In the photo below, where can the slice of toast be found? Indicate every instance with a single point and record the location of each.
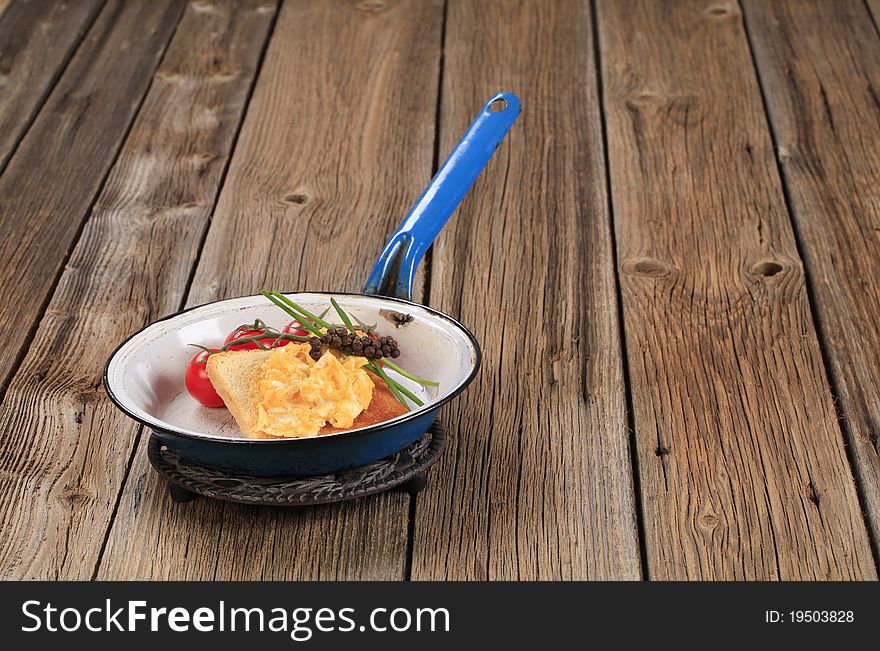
(383, 406)
(234, 375)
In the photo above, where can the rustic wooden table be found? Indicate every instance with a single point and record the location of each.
(680, 237)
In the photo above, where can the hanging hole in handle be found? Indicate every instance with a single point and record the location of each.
(498, 105)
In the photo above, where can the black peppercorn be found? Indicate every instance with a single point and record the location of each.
(386, 349)
(379, 354)
(395, 353)
(336, 341)
(327, 338)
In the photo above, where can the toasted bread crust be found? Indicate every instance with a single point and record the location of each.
(233, 375)
(383, 406)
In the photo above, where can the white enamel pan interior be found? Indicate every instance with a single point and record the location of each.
(145, 376)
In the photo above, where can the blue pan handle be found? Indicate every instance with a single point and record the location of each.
(394, 271)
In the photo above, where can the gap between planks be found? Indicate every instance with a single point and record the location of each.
(428, 267)
(630, 425)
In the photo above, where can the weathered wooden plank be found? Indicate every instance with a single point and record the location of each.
(64, 448)
(743, 470)
(50, 183)
(538, 482)
(337, 142)
(820, 67)
(36, 41)
(874, 6)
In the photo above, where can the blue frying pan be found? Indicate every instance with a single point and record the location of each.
(144, 376)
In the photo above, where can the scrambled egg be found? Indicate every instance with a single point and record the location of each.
(299, 395)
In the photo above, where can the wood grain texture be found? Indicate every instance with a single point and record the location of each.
(36, 41)
(874, 7)
(537, 483)
(337, 143)
(48, 186)
(64, 447)
(820, 67)
(743, 470)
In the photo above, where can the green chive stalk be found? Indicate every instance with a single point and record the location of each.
(311, 317)
(394, 367)
(308, 325)
(342, 315)
(376, 370)
(394, 384)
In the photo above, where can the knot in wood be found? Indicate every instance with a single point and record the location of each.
(721, 11)
(709, 520)
(85, 392)
(650, 267)
(86, 397)
(205, 7)
(645, 98)
(371, 6)
(74, 496)
(768, 268)
(680, 108)
(200, 160)
(295, 198)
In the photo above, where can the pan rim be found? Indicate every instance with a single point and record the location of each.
(160, 426)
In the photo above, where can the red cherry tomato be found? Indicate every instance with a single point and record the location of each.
(197, 382)
(243, 332)
(295, 328)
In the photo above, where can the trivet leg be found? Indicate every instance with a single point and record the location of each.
(416, 485)
(179, 494)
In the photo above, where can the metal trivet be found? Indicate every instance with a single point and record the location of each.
(406, 470)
